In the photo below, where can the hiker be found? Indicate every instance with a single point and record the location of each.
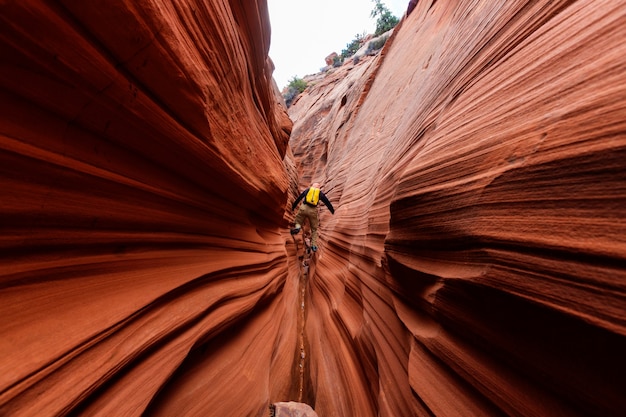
(308, 210)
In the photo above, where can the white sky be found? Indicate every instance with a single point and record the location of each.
(304, 32)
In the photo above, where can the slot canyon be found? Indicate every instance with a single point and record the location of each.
(475, 264)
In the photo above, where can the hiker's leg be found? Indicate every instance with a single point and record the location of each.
(314, 222)
(300, 216)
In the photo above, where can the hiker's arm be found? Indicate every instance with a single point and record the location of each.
(326, 201)
(300, 197)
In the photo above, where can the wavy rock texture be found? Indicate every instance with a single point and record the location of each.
(144, 186)
(476, 262)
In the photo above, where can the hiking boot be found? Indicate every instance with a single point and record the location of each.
(295, 230)
(314, 248)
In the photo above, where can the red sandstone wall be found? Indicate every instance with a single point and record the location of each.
(143, 192)
(476, 263)
(474, 266)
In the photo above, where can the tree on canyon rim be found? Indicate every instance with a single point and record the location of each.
(385, 20)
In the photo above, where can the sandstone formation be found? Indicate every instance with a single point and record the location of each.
(330, 59)
(143, 188)
(476, 262)
(475, 265)
(293, 409)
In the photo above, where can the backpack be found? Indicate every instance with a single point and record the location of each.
(313, 196)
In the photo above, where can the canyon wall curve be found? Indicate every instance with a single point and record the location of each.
(475, 264)
(475, 261)
(144, 178)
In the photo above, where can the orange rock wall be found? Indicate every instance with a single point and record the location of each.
(143, 190)
(476, 262)
(474, 265)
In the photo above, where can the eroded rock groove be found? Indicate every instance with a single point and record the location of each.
(475, 264)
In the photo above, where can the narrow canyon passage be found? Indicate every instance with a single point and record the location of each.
(474, 264)
(467, 270)
(304, 256)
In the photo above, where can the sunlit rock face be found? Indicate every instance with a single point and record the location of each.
(476, 262)
(143, 188)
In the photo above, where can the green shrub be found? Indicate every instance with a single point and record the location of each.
(297, 83)
(384, 19)
(295, 87)
(376, 44)
(352, 47)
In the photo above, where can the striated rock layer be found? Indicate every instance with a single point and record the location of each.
(476, 262)
(142, 169)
